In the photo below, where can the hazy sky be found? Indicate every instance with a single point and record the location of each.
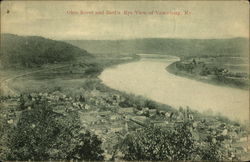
(53, 20)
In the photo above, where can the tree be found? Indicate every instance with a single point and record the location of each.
(88, 148)
(172, 143)
(42, 134)
(154, 143)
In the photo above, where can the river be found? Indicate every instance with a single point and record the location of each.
(149, 78)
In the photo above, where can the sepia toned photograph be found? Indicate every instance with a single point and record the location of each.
(124, 81)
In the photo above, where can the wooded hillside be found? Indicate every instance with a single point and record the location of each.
(34, 51)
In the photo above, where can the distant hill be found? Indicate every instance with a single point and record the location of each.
(33, 51)
(177, 47)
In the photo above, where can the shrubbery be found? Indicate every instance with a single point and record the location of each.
(173, 143)
(93, 70)
(138, 102)
(43, 134)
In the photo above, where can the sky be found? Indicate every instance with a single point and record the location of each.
(63, 19)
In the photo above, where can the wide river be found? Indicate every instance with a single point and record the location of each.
(149, 78)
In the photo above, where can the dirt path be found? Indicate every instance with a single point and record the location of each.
(6, 90)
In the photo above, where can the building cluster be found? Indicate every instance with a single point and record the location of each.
(100, 113)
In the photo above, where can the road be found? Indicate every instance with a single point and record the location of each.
(6, 90)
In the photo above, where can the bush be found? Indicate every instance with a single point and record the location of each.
(172, 143)
(93, 70)
(90, 84)
(88, 148)
(151, 104)
(155, 144)
(42, 134)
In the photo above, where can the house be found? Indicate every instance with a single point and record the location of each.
(129, 110)
(115, 117)
(140, 119)
(104, 113)
(152, 112)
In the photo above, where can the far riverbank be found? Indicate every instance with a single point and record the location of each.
(212, 75)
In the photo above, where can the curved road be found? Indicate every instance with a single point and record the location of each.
(6, 90)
